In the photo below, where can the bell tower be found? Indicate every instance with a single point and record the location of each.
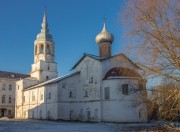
(44, 67)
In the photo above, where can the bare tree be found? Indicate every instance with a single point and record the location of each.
(164, 101)
(155, 27)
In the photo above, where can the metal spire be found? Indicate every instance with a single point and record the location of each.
(104, 27)
(44, 34)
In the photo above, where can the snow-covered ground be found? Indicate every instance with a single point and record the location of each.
(13, 125)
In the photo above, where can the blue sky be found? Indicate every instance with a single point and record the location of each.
(73, 24)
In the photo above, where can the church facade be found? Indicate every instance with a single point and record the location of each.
(101, 88)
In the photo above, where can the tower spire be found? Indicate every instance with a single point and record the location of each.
(104, 27)
(44, 34)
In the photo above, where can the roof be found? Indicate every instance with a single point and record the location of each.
(102, 58)
(53, 80)
(12, 75)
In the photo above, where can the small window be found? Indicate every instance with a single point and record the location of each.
(9, 112)
(48, 68)
(10, 87)
(49, 95)
(18, 87)
(86, 93)
(10, 100)
(48, 50)
(4, 87)
(3, 99)
(107, 93)
(70, 94)
(47, 77)
(125, 89)
(91, 80)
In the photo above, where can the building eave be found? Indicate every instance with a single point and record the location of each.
(54, 80)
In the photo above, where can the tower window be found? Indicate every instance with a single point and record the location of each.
(48, 68)
(125, 89)
(41, 51)
(47, 50)
(47, 77)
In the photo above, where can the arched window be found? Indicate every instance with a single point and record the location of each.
(47, 50)
(41, 51)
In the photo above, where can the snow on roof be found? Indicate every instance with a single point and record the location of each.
(102, 58)
(53, 80)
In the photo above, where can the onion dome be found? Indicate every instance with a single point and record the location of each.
(104, 36)
(44, 35)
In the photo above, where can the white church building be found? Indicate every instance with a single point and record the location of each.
(102, 88)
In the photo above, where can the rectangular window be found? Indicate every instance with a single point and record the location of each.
(70, 94)
(91, 80)
(18, 87)
(4, 87)
(41, 97)
(125, 89)
(10, 100)
(3, 99)
(107, 93)
(10, 87)
(47, 77)
(86, 93)
(9, 112)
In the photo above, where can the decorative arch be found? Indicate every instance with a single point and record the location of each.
(121, 71)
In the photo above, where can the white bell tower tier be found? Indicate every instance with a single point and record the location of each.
(44, 67)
